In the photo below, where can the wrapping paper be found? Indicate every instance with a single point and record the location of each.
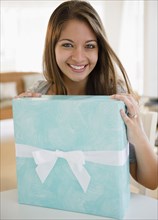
(72, 154)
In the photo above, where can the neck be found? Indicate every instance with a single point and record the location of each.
(75, 88)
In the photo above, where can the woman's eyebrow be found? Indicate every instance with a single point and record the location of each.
(88, 41)
(66, 40)
(91, 41)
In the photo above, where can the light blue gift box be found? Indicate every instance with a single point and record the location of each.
(72, 154)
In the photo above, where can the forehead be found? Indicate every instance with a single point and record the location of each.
(77, 30)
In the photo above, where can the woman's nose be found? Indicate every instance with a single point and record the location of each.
(78, 54)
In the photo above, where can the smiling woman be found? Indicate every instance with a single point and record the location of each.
(78, 60)
(76, 55)
(75, 30)
(125, 21)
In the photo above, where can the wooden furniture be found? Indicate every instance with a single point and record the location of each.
(18, 78)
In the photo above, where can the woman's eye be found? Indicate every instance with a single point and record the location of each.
(67, 45)
(90, 46)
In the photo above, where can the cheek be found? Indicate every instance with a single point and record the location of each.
(61, 56)
(94, 58)
(57, 55)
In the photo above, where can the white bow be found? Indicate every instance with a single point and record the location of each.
(46, 159)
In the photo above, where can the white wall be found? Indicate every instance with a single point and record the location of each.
(150, 49)
(113, 24)
(112, 21)
(23, 25)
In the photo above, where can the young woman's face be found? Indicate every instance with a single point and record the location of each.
(76, 51)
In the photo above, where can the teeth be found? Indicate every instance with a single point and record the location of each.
(77, 67)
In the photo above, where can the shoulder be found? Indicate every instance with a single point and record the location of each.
(41, 86)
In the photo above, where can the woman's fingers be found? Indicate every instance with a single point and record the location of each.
(131, 104)
(125, 117)
(29, 94)
(132, 117)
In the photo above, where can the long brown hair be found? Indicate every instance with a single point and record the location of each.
(103, 79)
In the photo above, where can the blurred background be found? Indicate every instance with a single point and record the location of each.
(131, 27)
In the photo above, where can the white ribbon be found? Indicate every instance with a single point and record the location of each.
(46, 159)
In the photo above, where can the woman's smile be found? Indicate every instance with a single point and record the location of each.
(76, 51)
(77, 68)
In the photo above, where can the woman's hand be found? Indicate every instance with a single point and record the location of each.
(29, 94)
(132, 118)
(145, 171)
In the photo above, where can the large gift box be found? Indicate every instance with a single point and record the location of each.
(72, 154)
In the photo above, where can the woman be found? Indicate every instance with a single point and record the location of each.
(78, 60)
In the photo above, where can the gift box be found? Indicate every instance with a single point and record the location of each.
(72, 154)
